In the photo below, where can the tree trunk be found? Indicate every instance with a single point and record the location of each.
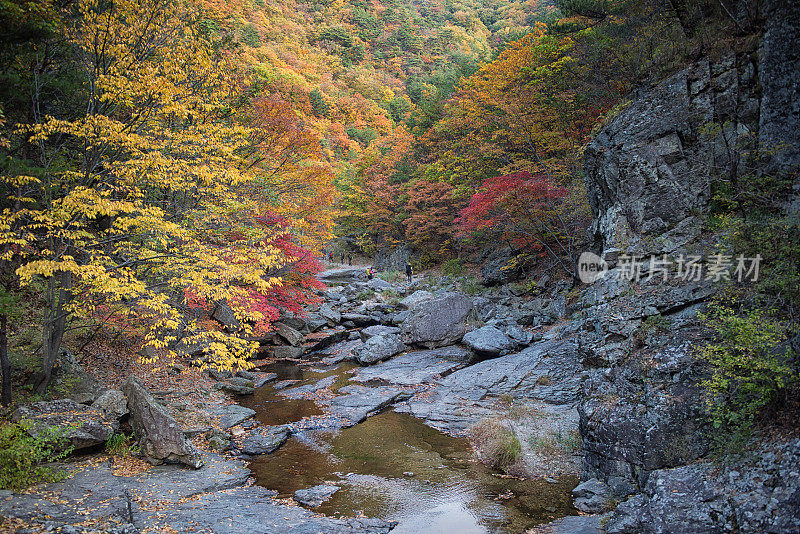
(5, 365)
(58, 296)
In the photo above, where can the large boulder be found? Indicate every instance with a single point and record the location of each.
(160, 436)
(333, 317)
(379, 348)
(415, 298)
(489, 342)
(83, 426)
(225, 315)
(437, 322)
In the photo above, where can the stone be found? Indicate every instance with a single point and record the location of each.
(238, 386)
(355, 402)
(489, 342)
(334, 317)
(225, 315)
(289, 334)
(83, 426)
(286, 352)
(309, 389)
(377, 330)
(265, 440)
(315, 496)
(346, 275)
(592, 496)
(359, 319)
(230, 415)
(112, 403)
(548, 372)
(379, 348)
(437, 322)
(160, 437)
(324, 339)
(415, 298)
(379, 285)
(71, 381)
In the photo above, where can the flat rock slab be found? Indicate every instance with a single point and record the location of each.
(549, 372)
(315, 496)
(230, 415)
(93, 491)
(303, 392)
(283, 384)
(573, 524)
(252, 509)
(411, 369)
(358, 402)
(157, 500)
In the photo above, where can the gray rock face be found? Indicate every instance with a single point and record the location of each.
(265, 440)
(238, 385)
(498, 268)
(377, 330)
(643, 415)
(315, 496)
(112, 403)
(488, 342)
(379, 348)
(378, 284)
(392, 259)
(356, 403)
(778, 65)
(760, 494)
(85, 426)
(160, 437)
(437, 322)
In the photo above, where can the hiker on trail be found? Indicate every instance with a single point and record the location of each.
(370, 273)
(350, 259)
(409, 272)
(330, 257)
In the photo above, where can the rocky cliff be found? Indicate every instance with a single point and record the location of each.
(649, 174)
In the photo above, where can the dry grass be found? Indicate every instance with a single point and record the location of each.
(496, 445)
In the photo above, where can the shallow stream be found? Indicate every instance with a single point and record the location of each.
(395, 467)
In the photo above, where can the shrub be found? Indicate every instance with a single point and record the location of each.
(452, 267)
(365, 295)
(22, 457)
(751, 368)
(392, 277)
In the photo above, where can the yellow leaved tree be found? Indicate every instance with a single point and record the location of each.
(141, 196)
